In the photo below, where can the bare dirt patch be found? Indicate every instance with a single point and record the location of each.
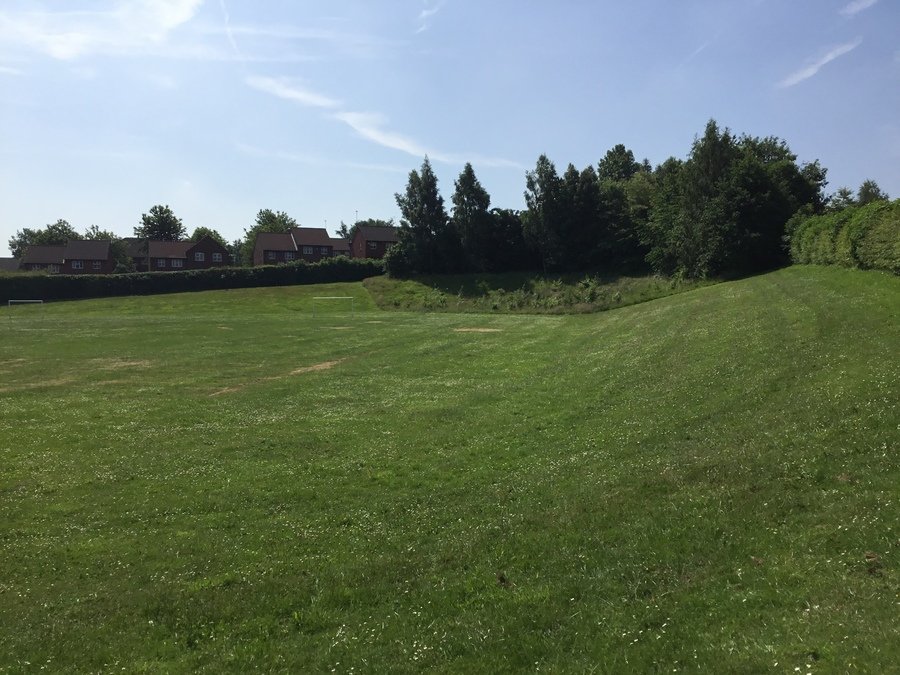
(225, 328)
(58, 382)
(477, 330)
(226, 390)
(325, 365)
(117, 364)
(339, 327)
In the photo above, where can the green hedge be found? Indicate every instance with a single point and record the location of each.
(867, 237)
(17, 286)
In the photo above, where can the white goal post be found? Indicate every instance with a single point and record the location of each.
(11, 303)
(318, 300)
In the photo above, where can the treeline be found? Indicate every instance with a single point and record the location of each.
(722, 210)
(73, 287)
(865, 236)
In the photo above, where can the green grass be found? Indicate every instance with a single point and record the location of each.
(703, 482)
(522, 292)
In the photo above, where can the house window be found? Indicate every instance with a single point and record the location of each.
(323, 250)
(270, 255)
(160, 262)
(217, 257)
(52, 268)
(96, 265)
(199, 256)
(307, 250)
(372, 245)
(288, 255)
(78, 264)
(177, 262)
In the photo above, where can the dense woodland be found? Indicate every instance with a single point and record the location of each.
(723, 210)
(728, 208)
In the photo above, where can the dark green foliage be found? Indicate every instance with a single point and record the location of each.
(543, 221)
(619, 165)
(867, 237)
(870, 192)
(428, 243)
(54, 234)
(63, 287)
(160, 224)
(472, 220)
(726, 208)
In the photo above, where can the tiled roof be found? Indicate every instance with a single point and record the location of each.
(274, 241)
(87, 249)
(134, 247)
(311, 236)
(44, 255)
(9, 264)
(373, 233)
(169, 249)
(339, 244)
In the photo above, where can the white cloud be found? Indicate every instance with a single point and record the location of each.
(128, 25)
(857, 6)
(9, 70)
(810, 70)
(427, 13)
(371, 127)
(291, 91)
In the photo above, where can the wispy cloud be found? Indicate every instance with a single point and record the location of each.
(9, 70)
(372, 127)
(314, 160)
(290, 90)
(428, 12)
(814, 67)
(857, 6)
(72, 34)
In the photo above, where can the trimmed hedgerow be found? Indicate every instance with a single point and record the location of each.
(867, 237)
(71, 287)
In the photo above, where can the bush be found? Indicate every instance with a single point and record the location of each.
(72, 287)
(867, 237)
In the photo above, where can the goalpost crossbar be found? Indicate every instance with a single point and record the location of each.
(10, 303)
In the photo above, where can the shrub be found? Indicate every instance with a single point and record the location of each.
(74, 287)
(867, 237)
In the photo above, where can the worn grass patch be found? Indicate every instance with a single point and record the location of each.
(706, 482)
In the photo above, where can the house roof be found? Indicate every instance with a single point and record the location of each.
(44, 255)
(339, 244)
(375, 233)
(274, 241)
(134, 247)
(9, 264)
(87, 249)
(311, 236)
(169, 249)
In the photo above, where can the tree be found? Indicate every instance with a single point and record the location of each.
(160, 224)
(541, 221)
(427, 242)
(619, 164)
(54, 234)
(267, 220)
(870, 192)
(841, 199)
(472, 220)
(200, 232)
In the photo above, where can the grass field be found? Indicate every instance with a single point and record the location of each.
(218, 481)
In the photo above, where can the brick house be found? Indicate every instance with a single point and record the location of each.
(9, 265)
(274, 248)
(313, 243)
(87, 256)
(340, 246)
(43, 259)
(175, 256)
(373, 242)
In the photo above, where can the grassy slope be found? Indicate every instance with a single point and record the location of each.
(691, 482)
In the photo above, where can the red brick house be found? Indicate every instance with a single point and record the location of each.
(43, 259)
(340, 246)
(87, 256)
(301, 243)
(274, 248)
(373, 242)
(175, 256)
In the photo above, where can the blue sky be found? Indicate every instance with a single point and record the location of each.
(222, 107)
